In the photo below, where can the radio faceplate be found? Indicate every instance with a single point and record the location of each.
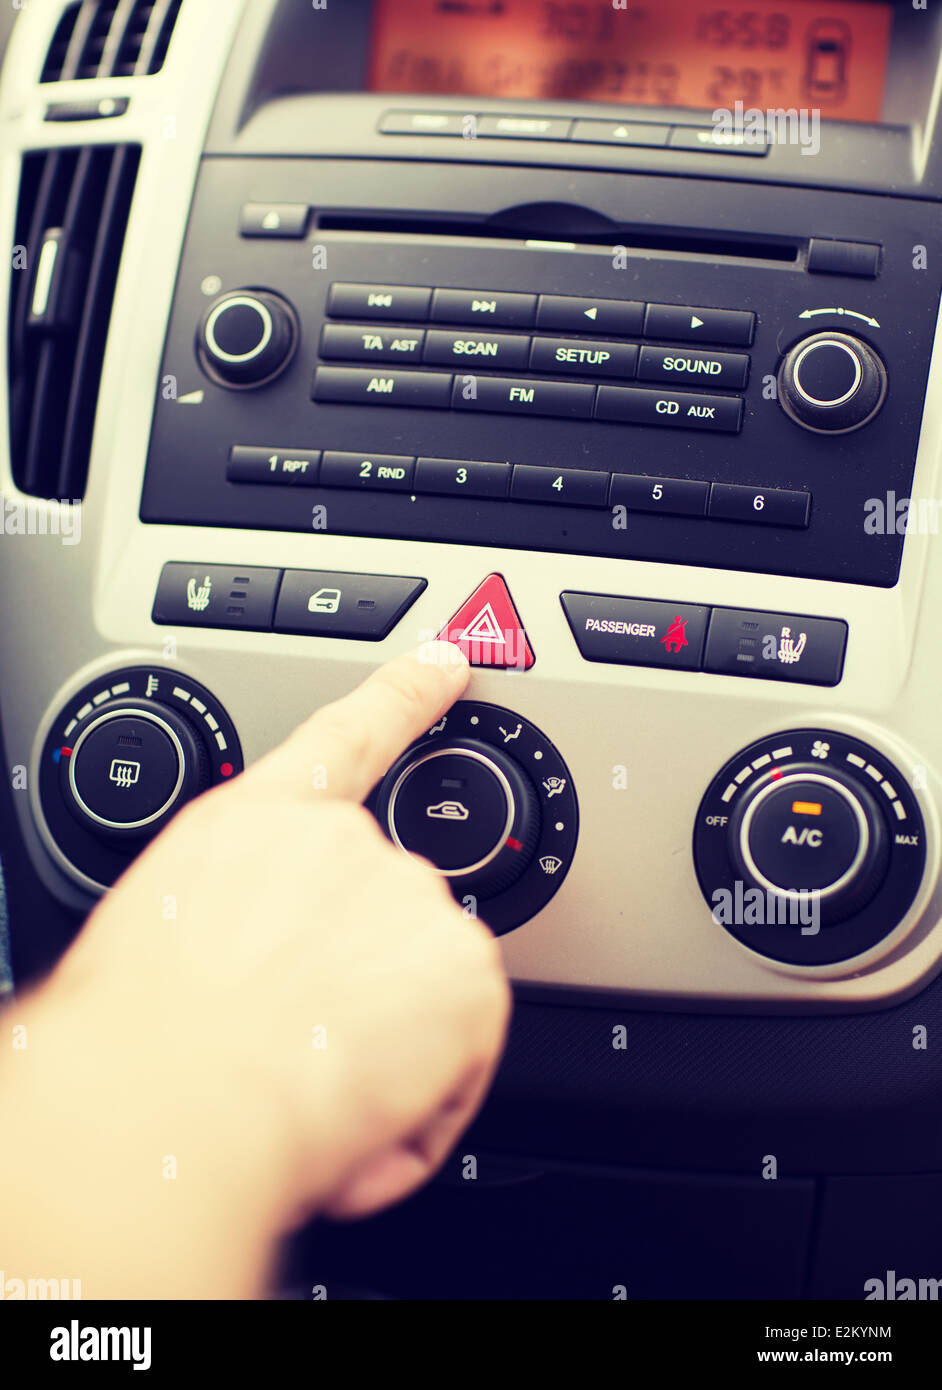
(595, 430)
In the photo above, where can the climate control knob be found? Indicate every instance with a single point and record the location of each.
(810, 847)
(120, 758)
(468, 808)
(130, 768)
(486, 797)
(247, 338)
(804, 831)
(832, 383)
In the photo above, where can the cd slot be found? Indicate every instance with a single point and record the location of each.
(560, 228)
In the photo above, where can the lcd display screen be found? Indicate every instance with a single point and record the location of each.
(766, 54)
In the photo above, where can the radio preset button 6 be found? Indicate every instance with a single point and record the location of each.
(372, 344)
(489, 307)
(583, 358)
(481, 349)
(678, 496)
(565, 313)
(522, 396)
(682, 411)
(734, 327)
(727, 369)
(773, 506)
(359, 386)
(379, 302)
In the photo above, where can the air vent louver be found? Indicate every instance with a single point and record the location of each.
(111, 38)
(71, 222)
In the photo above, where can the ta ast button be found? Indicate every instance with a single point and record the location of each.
(775, 646)
(322, 603)
(636, 631)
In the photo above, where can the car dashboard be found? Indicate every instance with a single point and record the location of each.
(603, 344)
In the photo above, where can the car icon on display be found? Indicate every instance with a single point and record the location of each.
(447, 810)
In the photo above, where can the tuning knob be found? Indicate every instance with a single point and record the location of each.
(832, 383)
(467, 807)
(247, 338)
(130, 768)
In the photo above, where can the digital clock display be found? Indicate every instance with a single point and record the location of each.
(769, 54)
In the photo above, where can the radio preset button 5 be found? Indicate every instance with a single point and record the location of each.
(583, 358)
(727, 369)
(680, 411)
(678, 496)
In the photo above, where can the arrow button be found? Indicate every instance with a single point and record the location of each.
(685, 324)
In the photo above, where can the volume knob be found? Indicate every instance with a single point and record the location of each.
(247, 338)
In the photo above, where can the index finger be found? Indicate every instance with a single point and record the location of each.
(344, 748)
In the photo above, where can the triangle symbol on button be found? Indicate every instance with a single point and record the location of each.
(592, 313)
(695, 322)
(488, 629)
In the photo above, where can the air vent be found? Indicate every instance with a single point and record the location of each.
(71, 222)
(110, 38)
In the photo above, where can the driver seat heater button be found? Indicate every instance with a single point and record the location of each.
(195, 595)
(328, 603)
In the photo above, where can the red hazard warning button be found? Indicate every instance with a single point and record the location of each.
(488, 628)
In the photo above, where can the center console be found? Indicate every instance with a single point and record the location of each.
(615, 368)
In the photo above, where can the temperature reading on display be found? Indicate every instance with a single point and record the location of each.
(830, 56)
